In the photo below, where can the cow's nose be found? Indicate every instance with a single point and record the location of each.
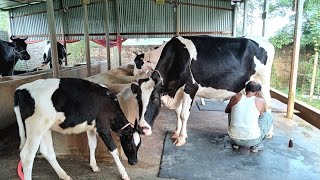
(133, 162)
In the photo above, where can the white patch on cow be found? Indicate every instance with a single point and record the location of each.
(266, 45)
(173, 103)
(147, 88)
(46, 49)
(79, 128)
(136, 138)
(190, 47)
(211, 93)
(102, 85)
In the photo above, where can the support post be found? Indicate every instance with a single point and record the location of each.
(314, 73)
(177, 19)
(295, 60)
(53, 39)
(118, 29)
(86, 35)
(265, 15)
(106, 26)
(63, 33)
(245, 17)
(234, 25)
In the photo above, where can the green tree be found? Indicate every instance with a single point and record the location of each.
(4, 22)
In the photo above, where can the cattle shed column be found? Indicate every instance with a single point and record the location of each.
(234, 25)
(106, 26)
(245, 17)
(118, 29)
(265, 17)
(53, 39)
(86, 35)
(295, 59)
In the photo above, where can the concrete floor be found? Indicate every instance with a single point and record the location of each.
(150, 152)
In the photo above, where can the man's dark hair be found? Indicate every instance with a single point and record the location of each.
(253, 87)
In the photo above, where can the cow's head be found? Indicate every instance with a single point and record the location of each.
(148, 97)
(130, 142)
(140, 65)
(20, 48)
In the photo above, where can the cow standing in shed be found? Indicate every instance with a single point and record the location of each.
(10, 53)
(209, 67)
(71, 106)
(47, 53)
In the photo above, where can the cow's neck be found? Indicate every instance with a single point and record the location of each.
(128, 104)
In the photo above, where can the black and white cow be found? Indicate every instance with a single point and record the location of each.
(147, 61)
(71, 106)
(47, 53)
(209, 67)
(10, 53)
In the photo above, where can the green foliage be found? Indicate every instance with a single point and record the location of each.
(282, 38)
(4, 22)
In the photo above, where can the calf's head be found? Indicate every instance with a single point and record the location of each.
(140, 65)
(20, 47)
(148, 96)
(130, 142)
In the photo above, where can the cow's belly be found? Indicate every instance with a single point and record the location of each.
(79, 128)
(211, 93)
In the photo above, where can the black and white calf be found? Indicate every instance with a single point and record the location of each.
(209, 67)
(62, 54)
(70, 106)
(147, 61)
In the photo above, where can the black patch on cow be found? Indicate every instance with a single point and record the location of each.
(61, 54)
(138, 61)
(73, 94)
(26, 103)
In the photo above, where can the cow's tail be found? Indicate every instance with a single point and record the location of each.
(22, 131)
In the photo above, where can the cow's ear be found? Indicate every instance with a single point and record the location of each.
(13, 38)
(135, 88)
(24, 38)
(156, 76)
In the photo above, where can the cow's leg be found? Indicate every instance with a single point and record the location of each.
(107, 139)
(28, 153)
(176, 133)
(188, 96)
(92, 141)
(47, 150)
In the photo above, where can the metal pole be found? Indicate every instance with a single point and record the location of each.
(234, 25)
(265, 17)
(295, 60)
(86, 35)
(63, 31)
(245, 17)
(177, 19)
(118, 29)
(106, 26)
(53, 39)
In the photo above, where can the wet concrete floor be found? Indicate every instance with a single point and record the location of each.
(306, 149)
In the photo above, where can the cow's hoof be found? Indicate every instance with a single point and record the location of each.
(269, 136)
(95, 169)
(126, 178)
(180, 141)
(175, 135)
(67, 178)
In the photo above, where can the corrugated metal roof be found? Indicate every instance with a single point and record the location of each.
(138, 18)
(9, 4)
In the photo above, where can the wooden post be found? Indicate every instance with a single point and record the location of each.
(53, 39)
(86, 35)
(234, 25)
(106, 26)
(63, 31)
(118, 29)
(245, 17)
(265, 17)
(314, 73)
(177, 19)
(295, 60)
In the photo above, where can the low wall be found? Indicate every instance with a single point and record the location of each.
(9, 84)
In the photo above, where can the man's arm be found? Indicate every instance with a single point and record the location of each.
(261, 105)
(233, 101)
